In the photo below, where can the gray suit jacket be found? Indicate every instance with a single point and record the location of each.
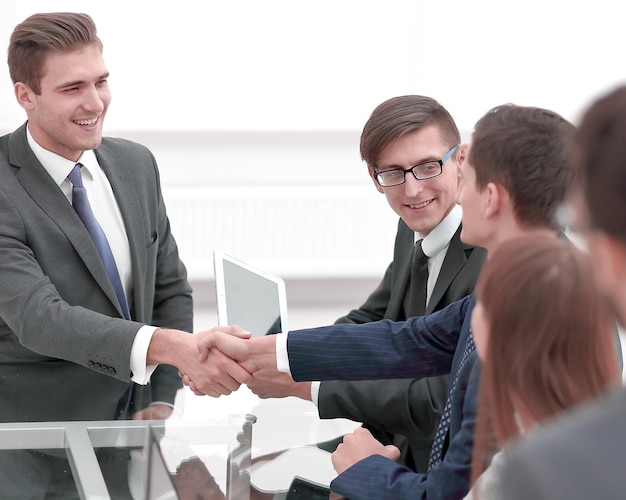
(412, 407)
(64, 347)
(578, 456)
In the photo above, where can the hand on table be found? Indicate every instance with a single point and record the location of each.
(359, 445)
(156, 411)
(193, 481)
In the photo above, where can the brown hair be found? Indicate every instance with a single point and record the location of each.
(527, 151)
(40, 34)
(551, 338)
(601, 162)
(402, 115)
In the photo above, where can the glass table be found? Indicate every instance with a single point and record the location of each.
(164, 460)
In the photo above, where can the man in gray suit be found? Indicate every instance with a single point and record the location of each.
(406, 132)
(581, 455)
(72, 346)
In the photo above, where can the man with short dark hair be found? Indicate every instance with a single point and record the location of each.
(580, 456)
(410, 145)
(93, 294)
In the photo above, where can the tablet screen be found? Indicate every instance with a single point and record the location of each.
(249, 297)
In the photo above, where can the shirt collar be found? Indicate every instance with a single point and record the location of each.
(57, 166)
(440, 236)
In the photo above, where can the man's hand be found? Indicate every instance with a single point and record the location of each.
(218, 375)
(268, 383)
(359, 445)
(252, 354)
(193, 480)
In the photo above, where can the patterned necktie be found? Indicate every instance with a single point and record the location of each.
(419, 281)
(81, 205)
(436, 452)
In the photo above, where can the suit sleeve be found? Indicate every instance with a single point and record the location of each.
(418, 347)
(39, 322)
(378, 477)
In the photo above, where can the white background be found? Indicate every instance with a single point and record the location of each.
(324, 65)
(264, 100)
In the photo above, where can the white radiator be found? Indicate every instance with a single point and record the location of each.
(293, 231)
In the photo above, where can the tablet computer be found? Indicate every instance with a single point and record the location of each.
(249, 297)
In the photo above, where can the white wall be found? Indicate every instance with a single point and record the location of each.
(284, 64)
(242, 65)
(269, 96)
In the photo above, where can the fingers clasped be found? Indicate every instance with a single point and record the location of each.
(219, 369)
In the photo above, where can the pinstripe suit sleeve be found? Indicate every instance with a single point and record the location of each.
(418, 347)
(422, 346)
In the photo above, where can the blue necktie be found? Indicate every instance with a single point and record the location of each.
(436, 452)
(80, 202)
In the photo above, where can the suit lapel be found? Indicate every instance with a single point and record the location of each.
(401, 273)
(45, 192)
(454, 261)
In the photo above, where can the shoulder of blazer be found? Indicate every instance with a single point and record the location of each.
(404, 233)
(121, 157)
(402, 254)
(120, 144)
(113, 149)
(15, 149)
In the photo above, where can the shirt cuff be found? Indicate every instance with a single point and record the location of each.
(282, 357)
(315, 393)
(141, 371)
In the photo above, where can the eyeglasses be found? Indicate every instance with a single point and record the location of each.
(423, 171)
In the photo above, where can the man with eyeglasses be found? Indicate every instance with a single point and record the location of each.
(410, 145)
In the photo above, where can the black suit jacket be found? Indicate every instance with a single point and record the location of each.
(64, 347)
(412, 407)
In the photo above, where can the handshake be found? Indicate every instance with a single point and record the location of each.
(216, 362)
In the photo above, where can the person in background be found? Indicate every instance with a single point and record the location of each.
(545, 339)
(581, 455)
(515, 174)
(94, 299)
(413, 141)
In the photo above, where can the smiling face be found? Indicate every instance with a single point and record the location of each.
(422, 204)
(67, 116)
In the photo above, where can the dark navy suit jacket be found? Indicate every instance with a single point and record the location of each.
(412, 407)
(419, 347)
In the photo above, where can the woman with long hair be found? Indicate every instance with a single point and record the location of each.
(546, 340)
